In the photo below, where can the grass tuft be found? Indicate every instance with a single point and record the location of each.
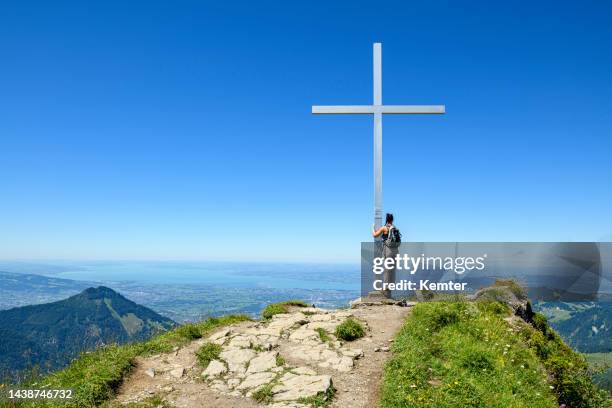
(323, 335)
(321, 400)
(350, 330)
(207, 353)
(189, 331)
(264, 394)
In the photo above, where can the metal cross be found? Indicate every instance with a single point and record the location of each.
(377, 109)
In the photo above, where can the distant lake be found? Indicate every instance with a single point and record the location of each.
(231, 274)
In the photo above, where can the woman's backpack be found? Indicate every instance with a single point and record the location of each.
(394, 237)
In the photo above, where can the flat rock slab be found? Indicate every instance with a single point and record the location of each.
(177, 372)
(293, 387)
(237, 359)
(263, 362)
(288, 405)
(215, 368)
(255, 380)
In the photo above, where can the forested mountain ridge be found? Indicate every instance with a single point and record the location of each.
(50, 335)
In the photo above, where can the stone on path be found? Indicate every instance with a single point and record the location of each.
(219, 386)
(353, 353)
(304, 371)
(219, 336)
(177, 372)
(255, 380)
(288, 405)
(233, 382)
(241, 341)
(281, 322)
(215, 368)
(263, 362)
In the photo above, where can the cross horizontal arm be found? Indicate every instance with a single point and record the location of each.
(392, 109)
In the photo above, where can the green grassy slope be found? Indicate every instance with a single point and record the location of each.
(471, 354)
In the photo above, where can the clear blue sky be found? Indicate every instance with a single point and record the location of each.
(152, 130)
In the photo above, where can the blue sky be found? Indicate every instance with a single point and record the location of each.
(182, 130)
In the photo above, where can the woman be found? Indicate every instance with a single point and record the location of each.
(384, 230)
(387, 251)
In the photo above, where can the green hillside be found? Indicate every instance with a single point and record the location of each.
(50, 335)
(478, 354)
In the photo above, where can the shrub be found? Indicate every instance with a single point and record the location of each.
(350, 330)
(207, 353)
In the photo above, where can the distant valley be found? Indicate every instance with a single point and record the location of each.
(18, 289)
(179, 302)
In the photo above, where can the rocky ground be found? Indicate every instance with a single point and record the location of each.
(285, 358)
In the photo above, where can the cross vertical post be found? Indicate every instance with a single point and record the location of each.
(377, 77)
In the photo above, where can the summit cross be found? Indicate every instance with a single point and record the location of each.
(377, 109)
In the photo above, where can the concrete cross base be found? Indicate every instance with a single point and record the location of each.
(375, 298)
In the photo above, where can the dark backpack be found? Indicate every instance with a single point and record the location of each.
(394, 238)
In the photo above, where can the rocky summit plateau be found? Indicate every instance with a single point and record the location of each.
(284, 362)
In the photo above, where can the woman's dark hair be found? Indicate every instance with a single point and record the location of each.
(389, 218)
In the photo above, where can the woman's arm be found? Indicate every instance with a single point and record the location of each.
(381, 230)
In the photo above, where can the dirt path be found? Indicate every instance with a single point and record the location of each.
(287, 357)
(360, 388)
